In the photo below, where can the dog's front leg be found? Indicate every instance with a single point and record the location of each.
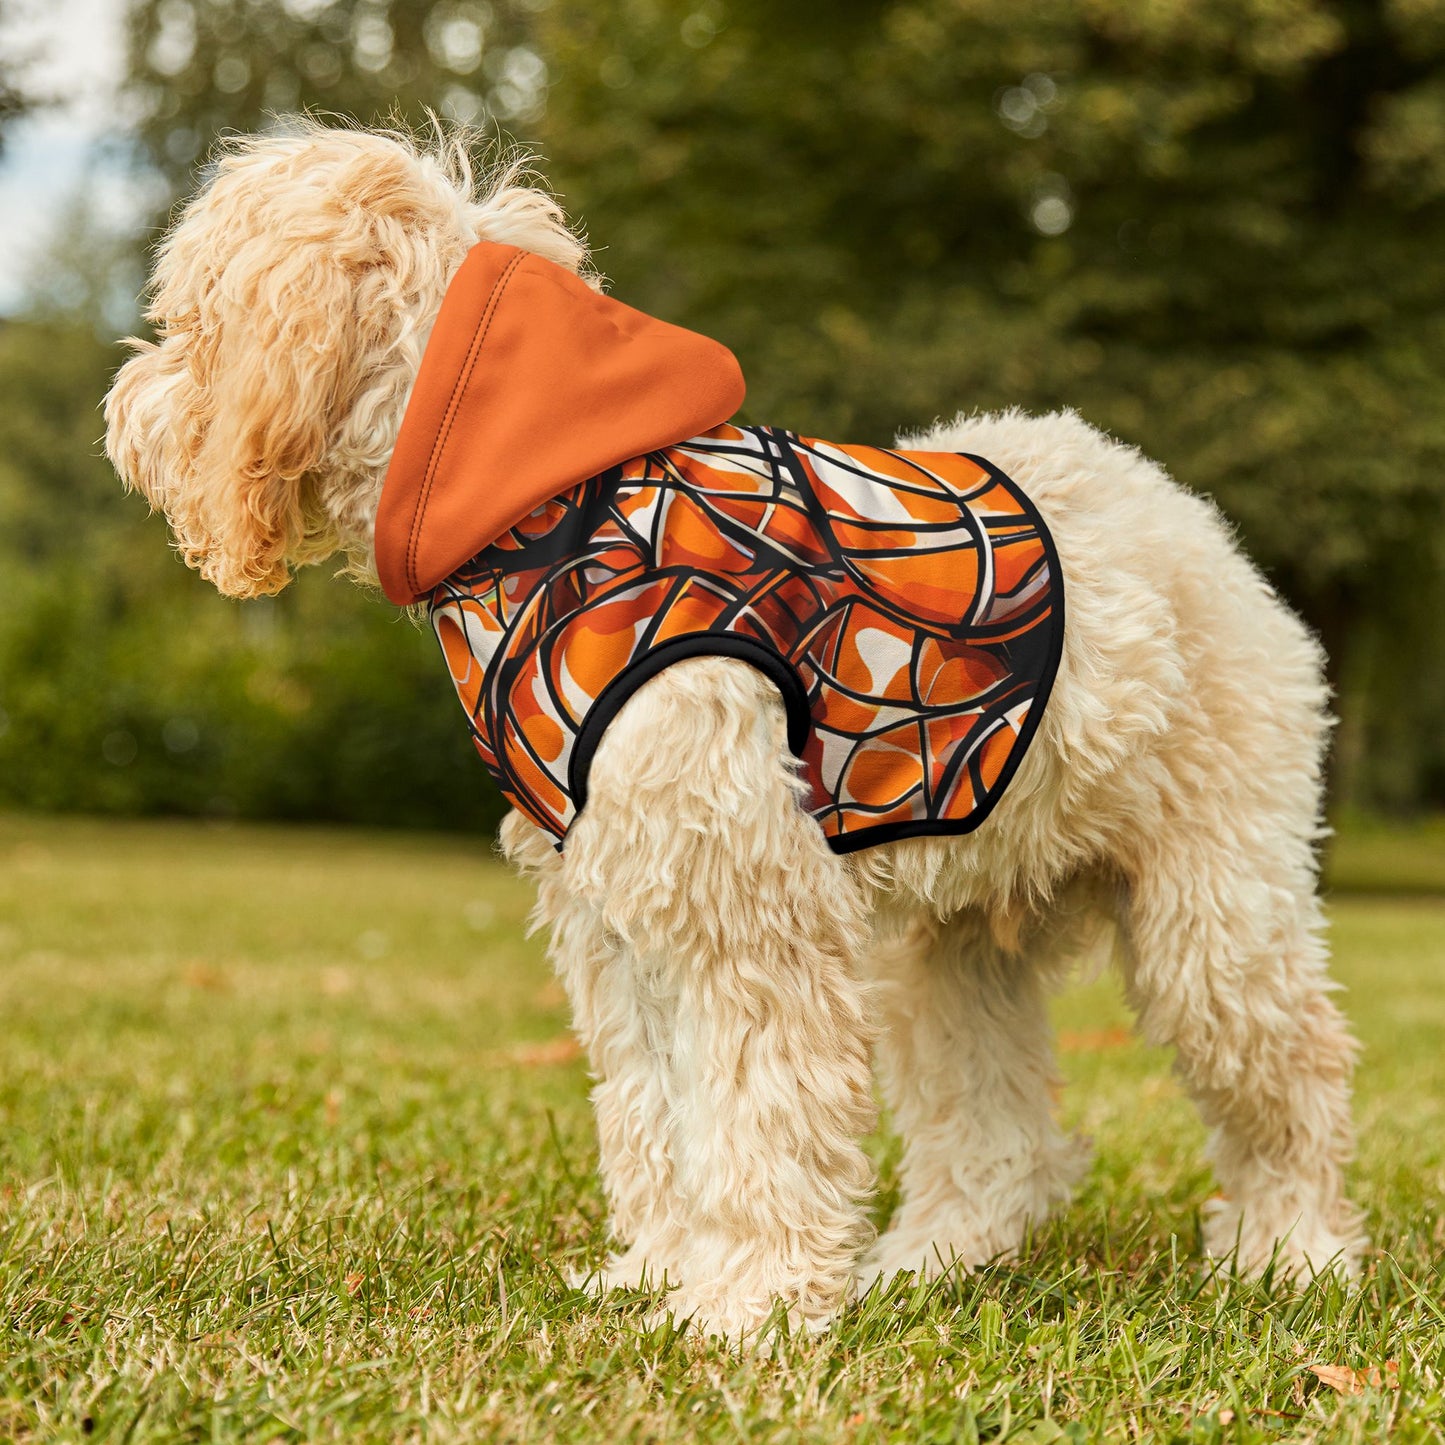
(740, 930)
(623, 1021)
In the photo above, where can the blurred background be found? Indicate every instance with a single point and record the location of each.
(1214, 227)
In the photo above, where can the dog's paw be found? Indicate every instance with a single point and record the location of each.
(753, 1324)
(1298, 1248)
(897, 1254)
(632, 1270)
(964, 1229)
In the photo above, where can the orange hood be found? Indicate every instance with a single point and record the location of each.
(531, 383)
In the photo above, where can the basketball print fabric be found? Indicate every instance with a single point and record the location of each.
(907, 604)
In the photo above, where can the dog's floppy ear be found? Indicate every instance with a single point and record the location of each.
(292, 301)
(282, 288)
(221, 422)
(278, 353)
(273, 351)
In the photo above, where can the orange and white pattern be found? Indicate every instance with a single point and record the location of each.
(908, 605)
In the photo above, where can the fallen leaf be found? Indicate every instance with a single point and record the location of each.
(551, 995)
(1095, 1041)
(354, 1283)
(202, 975)
(1347, 1381)
(560, 1050)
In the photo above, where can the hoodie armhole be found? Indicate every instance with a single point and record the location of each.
(616, 694)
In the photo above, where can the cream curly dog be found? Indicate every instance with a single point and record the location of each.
(731, 974)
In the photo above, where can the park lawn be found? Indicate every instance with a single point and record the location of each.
(293, 1146)
(1371, 855)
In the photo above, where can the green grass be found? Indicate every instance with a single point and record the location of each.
(284, 1154)
(1373, 856)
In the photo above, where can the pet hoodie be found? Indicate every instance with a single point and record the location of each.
(569, 496)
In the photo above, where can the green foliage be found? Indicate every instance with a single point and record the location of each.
(120, 701)
(1217, 230)
(203, 67)
(128, 686)
(286, 1155)
(15, 99)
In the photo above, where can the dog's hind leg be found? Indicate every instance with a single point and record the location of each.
(966, 1060)
(1225, 961)
(741, 927)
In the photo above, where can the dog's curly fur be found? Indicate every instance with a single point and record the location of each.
(729, 975)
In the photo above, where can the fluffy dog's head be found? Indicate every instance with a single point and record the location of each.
(292, 301)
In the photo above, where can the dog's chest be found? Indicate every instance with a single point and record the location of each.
(908, 606)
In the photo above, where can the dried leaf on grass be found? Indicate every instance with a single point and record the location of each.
(1347, 1381)
(335, 982)
(203, 976)
(1095, 1041)
(561, 1050)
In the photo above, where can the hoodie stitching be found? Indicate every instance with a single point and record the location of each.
(479, 337)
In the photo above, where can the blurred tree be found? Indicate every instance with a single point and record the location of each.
(202, 67)
(15, 98)
(127, 685)
(1217, 229)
